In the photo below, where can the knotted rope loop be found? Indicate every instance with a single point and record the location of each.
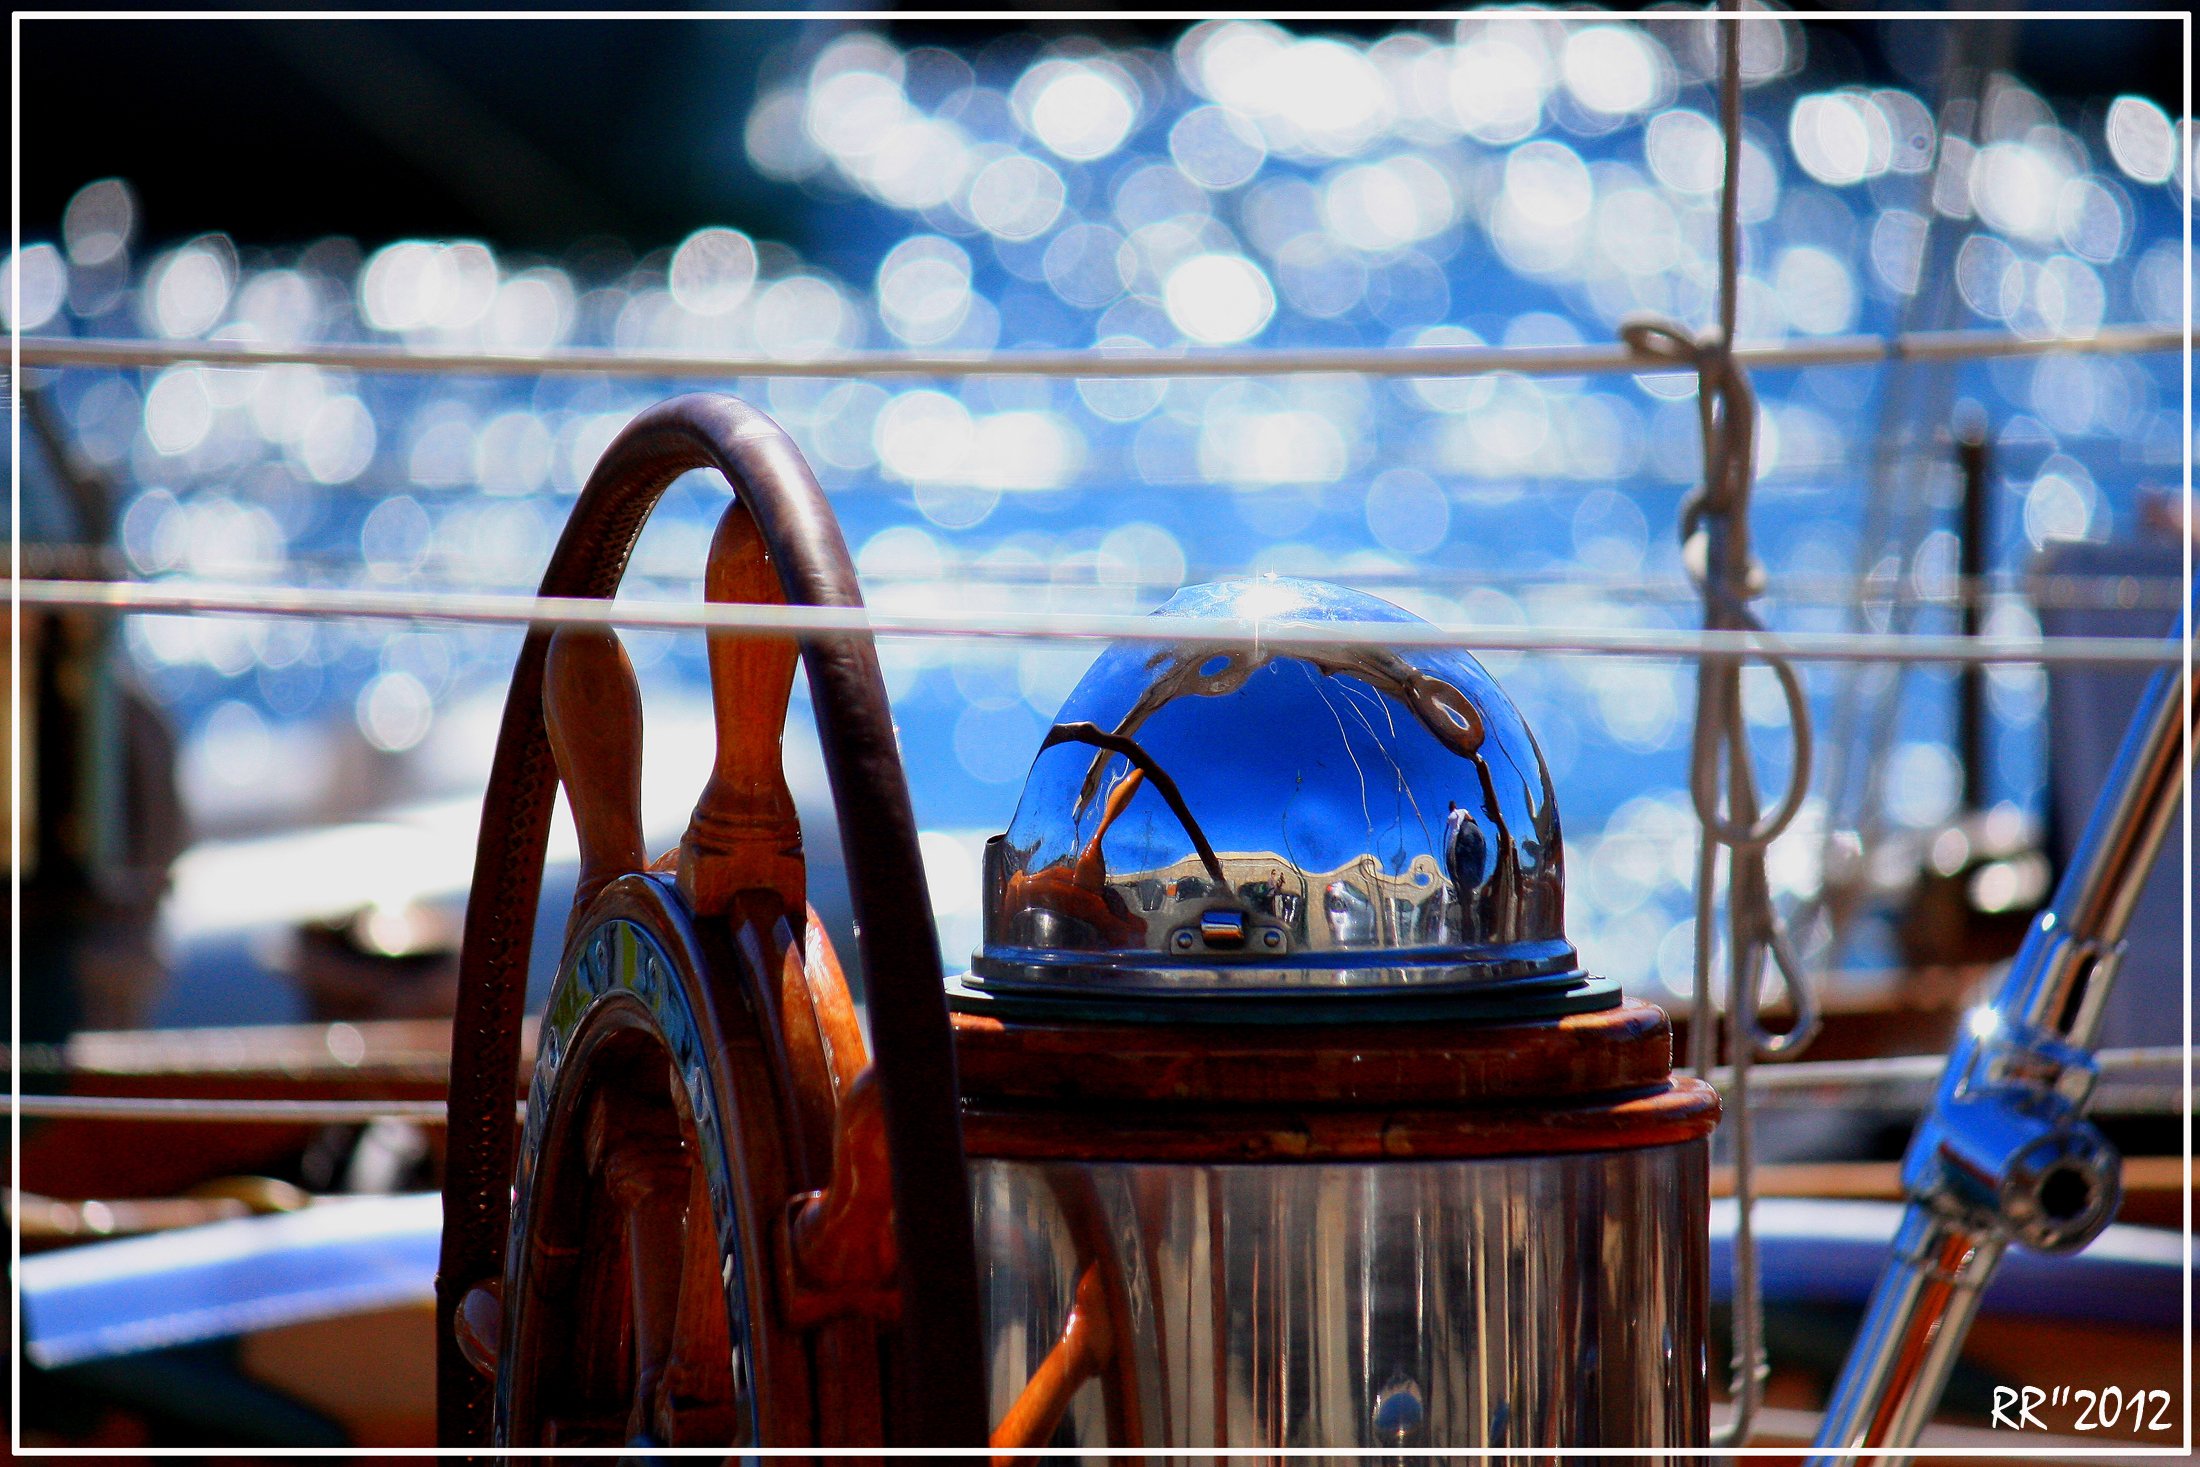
(1718, 513)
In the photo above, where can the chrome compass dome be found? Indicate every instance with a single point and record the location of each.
(1208, 821)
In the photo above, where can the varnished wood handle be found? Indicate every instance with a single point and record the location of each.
(1087, 1342)
(833, 1008)
(593, 709)
(745, 833)
(840, 1247)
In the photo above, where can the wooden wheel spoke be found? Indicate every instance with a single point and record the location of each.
(592, 709)
(641, 1166)
(745, 834)
(681, 1390)
(1088, 1343)
(694, 1403)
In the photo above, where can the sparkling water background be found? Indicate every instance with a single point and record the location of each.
(1506, 180)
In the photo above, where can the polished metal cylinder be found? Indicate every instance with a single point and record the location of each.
(1526, 1302)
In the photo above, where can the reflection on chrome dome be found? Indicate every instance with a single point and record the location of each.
(1207, 817)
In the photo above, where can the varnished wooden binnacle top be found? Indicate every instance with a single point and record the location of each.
(1420, 1064)
(1204, 1094)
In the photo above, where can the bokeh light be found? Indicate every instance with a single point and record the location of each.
(1218, 299)
(1507, 178)
(2141, 139)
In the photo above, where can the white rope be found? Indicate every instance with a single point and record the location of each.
(1715, 521)
(808, 622)
(1413, 361)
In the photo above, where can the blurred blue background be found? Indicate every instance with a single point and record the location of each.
(802, 189)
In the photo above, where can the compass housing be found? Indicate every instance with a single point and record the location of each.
(1207, 820)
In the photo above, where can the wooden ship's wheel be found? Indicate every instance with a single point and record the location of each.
(726, 1222)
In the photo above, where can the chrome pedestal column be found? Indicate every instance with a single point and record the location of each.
(1521, 1302)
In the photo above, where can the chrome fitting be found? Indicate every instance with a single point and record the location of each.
(2020, 1161)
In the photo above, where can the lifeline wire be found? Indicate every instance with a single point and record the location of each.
(816, 622)
(263, 1112)
(1828, 1079)
(1411, 361)
(2099, 590)
(1835, 1076)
